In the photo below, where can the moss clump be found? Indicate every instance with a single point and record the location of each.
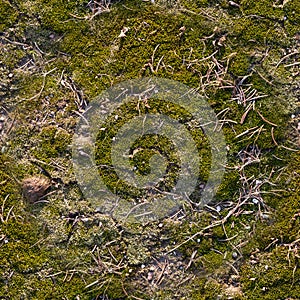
(269, 276)
(204, 290)
(52, 142)
(291, 10)
(240, 64)
(263, 8)
(252, 32)
(8, 15)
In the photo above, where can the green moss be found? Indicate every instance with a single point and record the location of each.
(263, 8)
(291, 10)
(8, 15)
(88, 52)
(204, 290)
(240, 64)
(52, 142)
(252, 32)
(229, 186)
(271, 277)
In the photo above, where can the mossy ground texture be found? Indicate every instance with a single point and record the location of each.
(243, 56)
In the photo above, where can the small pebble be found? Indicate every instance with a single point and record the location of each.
(84, 220)
(150, 276)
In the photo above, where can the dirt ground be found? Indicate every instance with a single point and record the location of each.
(242, 57)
